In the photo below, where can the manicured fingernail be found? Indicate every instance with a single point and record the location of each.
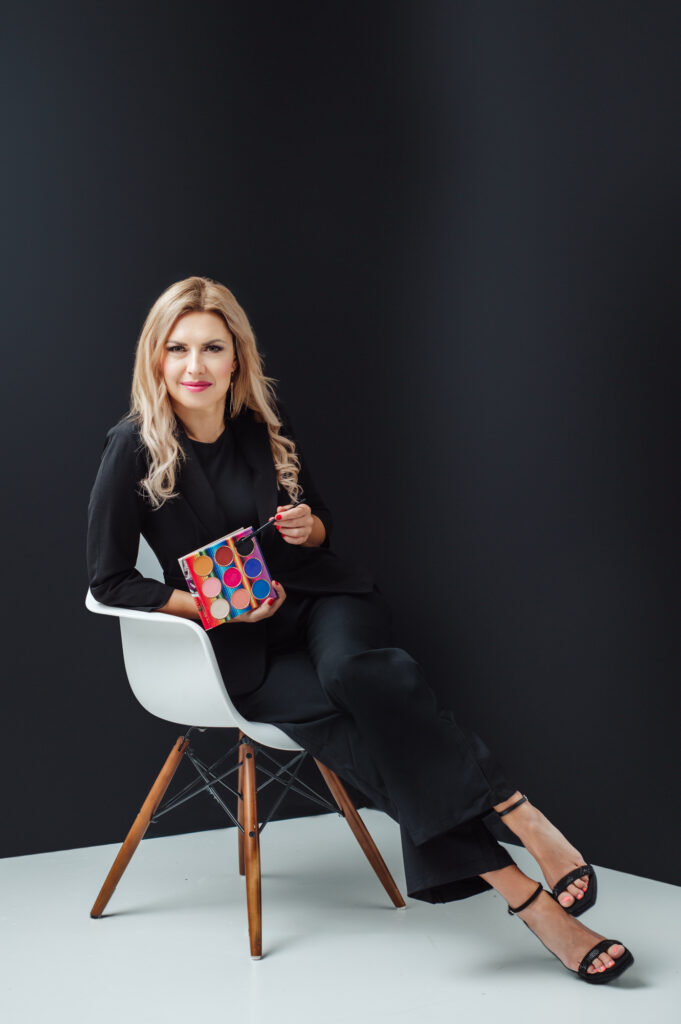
(278, 527)
(277, 517)
(270, 600)
(275, 583)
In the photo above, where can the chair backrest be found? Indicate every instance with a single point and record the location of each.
(172, 669)
(147, 562)
(171, 666)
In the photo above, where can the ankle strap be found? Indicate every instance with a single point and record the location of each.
(514, 910)
(512, 807)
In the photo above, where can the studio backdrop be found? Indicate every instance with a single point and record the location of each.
(454, 227)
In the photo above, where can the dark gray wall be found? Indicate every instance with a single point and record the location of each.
(455, 229)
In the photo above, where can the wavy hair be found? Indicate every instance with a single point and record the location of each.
(150, 406)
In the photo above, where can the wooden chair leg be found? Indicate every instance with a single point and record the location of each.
(240, 806)
(140, 826)
(252, 851)
(361, 833)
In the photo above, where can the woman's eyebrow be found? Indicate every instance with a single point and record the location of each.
(214, 341)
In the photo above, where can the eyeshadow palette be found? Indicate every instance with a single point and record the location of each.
(227, 577)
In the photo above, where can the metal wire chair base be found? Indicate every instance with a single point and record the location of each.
(211, 779)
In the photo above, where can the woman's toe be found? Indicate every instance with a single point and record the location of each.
(604, 961)
(565, 899)
(575, 891)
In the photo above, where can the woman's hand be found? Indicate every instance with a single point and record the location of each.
(298, 525)
(267, 608)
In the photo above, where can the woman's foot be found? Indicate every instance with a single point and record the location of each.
(562, 934)
(566, 937)
(549, 847)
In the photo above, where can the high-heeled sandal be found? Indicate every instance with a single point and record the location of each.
(589, 897)
(599, 977)
(578, 906)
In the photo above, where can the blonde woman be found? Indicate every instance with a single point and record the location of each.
(206, 448)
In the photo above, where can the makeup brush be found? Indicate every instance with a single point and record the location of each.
(271, 522)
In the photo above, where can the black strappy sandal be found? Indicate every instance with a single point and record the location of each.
(599, 977)
(588, 899)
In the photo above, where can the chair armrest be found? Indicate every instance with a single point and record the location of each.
(98, 608)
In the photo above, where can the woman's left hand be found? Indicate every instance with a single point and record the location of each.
(294, 524)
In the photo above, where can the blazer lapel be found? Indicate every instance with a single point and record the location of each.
(253, 440)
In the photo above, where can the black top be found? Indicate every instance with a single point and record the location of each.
(230, 478)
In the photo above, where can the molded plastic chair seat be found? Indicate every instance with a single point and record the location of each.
(173, 672)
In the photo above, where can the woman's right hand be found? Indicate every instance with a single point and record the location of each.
(267, 608)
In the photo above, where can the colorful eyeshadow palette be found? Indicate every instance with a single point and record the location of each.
(227, 577)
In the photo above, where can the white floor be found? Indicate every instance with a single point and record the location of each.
(174, 943)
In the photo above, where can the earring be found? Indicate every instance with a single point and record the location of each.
(230, 392)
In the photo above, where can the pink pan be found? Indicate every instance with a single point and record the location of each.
(232, 578)
(212, 587)
(240, 599)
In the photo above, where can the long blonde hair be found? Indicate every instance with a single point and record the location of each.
(150, 405)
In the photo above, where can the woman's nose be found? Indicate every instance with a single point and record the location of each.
(195, 362)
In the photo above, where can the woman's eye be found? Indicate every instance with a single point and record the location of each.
(180, 348)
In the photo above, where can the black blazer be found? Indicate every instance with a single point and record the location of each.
(118, 513)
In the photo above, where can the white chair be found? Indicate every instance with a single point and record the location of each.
(173, 672)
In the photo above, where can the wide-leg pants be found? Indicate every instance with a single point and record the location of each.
(336, 686)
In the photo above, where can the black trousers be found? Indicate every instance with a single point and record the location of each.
(336, 686)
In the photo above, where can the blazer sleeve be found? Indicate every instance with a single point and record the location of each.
(310, 493)
(115, 516)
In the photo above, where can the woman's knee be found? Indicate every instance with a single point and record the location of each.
(383, 673)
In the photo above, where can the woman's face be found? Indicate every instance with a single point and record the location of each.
(200, 351)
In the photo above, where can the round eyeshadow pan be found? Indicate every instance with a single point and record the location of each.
(232, 578)
(240, 599)
(203, 565)
(224, 556)
(245, 547)
(253, 568)
(261, 590)
(219, 609)
(212, 586)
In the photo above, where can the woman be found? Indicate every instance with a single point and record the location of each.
(206, 449)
